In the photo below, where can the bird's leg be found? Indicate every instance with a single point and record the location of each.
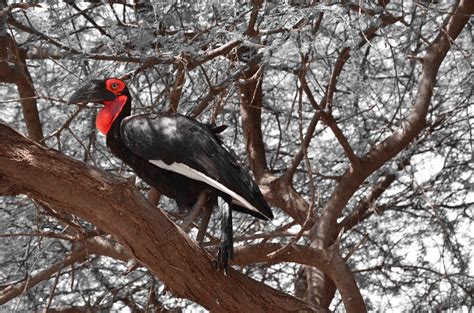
(226, 247)
(195, 211)
(205, 217)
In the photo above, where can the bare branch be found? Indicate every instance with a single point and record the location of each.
(18, 74)
(329, 120)
(17, 289)
(309, 131)
(251, 31)
(251, 109)
(327, 261)
(359, 211)
(92, 246)
(13, 6)
(175, 93)
(326, 102)
(95, 56)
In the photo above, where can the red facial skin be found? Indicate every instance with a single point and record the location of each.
(112, 108)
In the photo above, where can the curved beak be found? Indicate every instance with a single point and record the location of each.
(93, 91)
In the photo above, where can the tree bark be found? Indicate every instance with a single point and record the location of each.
(251, 109)
(13, 69)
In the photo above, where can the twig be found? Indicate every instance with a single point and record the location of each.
(309, 132)
(51, 295)
(22, 6)
(355, 248)
(36, 97)
(310, 212)
(251, 31)
(95, 56)
(89, 19)
(65, 125)
(329, 120)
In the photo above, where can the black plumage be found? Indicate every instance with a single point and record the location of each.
(175, 138)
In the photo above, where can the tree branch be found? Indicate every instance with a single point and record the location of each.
(328, 261)
(251, 31)
(251, 110)
(27, 93)
(95, 56)
(146, 232)
(13, 6)
(326, 101)
(359, 211)
(18, 74)
(329, 120)
(175, 92)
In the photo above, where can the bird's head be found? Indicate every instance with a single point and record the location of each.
(111, 92)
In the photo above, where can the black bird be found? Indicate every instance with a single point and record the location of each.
(179, 156)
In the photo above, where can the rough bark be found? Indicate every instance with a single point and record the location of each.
(13, 69)
(251, 110)
(327, 261)
(150, 236)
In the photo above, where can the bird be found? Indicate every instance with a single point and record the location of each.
(181, 157)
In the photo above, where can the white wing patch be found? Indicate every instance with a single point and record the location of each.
(189, 172)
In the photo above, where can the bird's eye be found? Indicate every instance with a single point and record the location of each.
(114, 86)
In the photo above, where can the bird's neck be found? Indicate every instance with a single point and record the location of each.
(110, 113)
(124, 112)
(114, 140)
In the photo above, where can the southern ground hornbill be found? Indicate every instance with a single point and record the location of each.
(179, 156)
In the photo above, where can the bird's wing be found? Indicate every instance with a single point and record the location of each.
(182, 145)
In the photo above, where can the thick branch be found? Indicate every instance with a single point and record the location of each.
(360, 210)
(175, 93)
(13, 69)
(251, 31)
(328, 261)
(251, 110)
(149, 235)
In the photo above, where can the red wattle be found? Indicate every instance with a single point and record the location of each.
(109, 113)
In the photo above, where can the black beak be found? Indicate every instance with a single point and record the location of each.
(93, 91)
